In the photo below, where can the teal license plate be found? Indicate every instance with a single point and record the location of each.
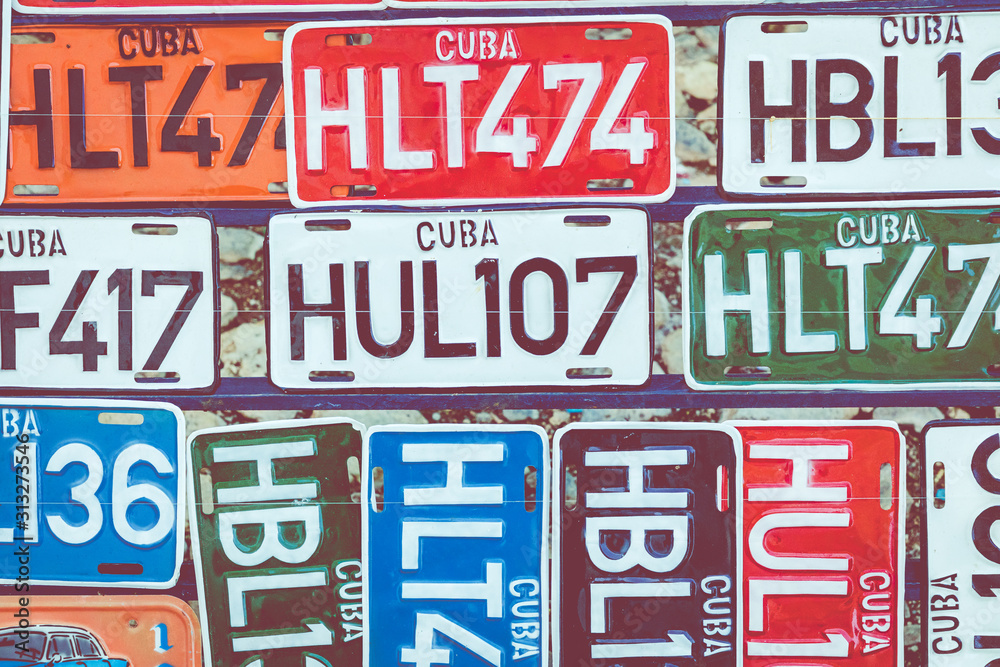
(276, 535)
(892, 296)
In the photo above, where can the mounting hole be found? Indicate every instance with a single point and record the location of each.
(570, 492)
(530, 488)
(938, 494)
(748, 224)
(885, 486)
(604, 184)
(157, 377)
(352, 191)
(608, 33)
(352, 39)
(783, 27)
(328, 225)
(783, 181)
(747, 371)
(592, 373)
(32, 38)
(153, 229)
(205, 483)
(120, 569)
(36, 190)
(331, 376)
(722, 489)
(120, 418)
(354, 478)
(587, 220)
(378, 489)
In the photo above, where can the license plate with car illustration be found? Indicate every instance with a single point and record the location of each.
(98, 631)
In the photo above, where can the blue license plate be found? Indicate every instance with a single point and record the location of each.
(645, 546)
(454, 538)
(92, 493)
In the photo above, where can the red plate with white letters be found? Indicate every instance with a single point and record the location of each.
(452, 111)
(823, 543)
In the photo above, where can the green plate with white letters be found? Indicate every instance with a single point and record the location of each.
(891, 296)
(276, 536)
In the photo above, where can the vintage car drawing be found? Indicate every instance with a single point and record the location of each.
(45, 645)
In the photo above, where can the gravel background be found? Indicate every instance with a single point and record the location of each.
(243, 341)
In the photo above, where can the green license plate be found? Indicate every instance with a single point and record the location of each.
(276, 535)
(886, 297)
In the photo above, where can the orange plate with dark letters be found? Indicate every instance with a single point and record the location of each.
(148, 112)
(98, 631)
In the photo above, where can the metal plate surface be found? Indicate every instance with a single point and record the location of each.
(860, 104)
(98, 631)
(187, 7)
(455, 530)
(527, 4)
(276, 538)
(959, 604)
(451, 111)
(97, 303)
(645, 559)
(92, 493)
(823, 549)
(895, 295)
(144, 112)
(491, 299)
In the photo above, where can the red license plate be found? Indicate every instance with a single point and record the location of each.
(823, 549)
(487, 110)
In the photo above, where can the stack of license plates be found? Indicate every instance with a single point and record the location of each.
(323, 542)
(857, 250)
(682, 544)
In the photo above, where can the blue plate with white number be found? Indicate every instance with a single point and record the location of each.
(454, 546)
(91, 493)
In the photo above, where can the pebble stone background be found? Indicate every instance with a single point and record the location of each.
(243, 350)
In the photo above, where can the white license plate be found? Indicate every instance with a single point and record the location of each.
(503, 298)
(107, 303)
(861, 104)
(959, 593)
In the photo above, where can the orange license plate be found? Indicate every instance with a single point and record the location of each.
(146, 112)
(98, 631)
